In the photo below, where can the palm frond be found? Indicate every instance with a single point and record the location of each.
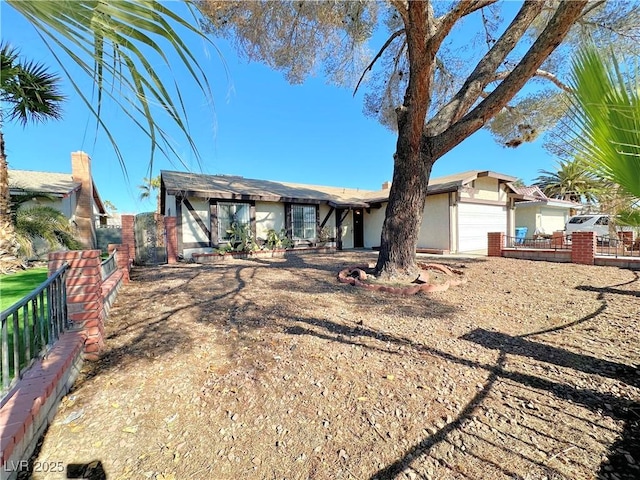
(606, 113)
(118, 45)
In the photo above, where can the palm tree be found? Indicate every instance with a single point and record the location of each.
(28, 93)
(571, 181)
(148, 187)
(606, 116)
(41, 228)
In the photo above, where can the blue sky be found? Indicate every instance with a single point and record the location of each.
(259, 127)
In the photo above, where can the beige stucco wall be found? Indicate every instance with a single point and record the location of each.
(545, 219)
(553, 219)
(373, 226)
(526, 217)
(65, 205)
(434, 231)
(191, 231)
(485, 188)
(330, 225)
(269, 215)
(347, 231)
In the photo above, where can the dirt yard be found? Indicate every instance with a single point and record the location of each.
(271, 369)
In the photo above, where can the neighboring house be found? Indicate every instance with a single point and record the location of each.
(540, 214)
(459, 212)
(74, 194)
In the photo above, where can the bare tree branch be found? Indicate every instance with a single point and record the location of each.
(477, 5)
(393, 36)
(539, 73)
(549, 39)
(484, 72)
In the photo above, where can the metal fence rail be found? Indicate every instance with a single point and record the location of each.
(108, 266)
(556, 243)
(31, 326)
(615, 247)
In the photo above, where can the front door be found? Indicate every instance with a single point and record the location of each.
(358, 228)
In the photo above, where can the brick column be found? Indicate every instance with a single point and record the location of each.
(83, 214)
(159, 219)
(128, 236)
(123, 261)
(172, 239)
(558, 239)
(84, 295)
(496, 244)
(583, 247)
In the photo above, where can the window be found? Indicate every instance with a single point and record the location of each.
(602, 221)
(580, 219)
(303, 221)
(229, 214)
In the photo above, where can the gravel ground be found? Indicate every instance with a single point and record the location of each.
(272, 369)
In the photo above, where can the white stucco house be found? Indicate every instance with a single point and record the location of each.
(74, 194)
(459, 212)
(540, 214)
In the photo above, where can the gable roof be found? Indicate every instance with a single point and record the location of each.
(230, 187)
(533, 191)
(57, 184)
(533, 195)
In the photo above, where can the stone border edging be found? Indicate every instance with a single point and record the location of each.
(346, 275)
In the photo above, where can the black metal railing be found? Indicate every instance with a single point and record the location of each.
(554, 243)
(31, 326)
(615, 247)
(108, 266)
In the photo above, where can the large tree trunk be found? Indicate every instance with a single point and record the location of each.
(421, 144)
(9, 246)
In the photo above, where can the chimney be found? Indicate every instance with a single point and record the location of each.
(81, 173)
(386, 185)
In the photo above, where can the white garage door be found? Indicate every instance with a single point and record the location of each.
(476, 221)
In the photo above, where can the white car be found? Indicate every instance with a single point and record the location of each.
(589, 223)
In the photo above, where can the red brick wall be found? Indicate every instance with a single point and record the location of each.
(123, 261)
(557, 240)
(496, 244)
(172, 239)
(84, 294)
(128, 236)
(583, 247)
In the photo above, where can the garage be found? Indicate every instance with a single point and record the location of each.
(475, 221)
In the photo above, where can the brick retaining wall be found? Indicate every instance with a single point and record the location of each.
(583, 250)
(32, 403)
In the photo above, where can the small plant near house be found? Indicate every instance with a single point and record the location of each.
(277, 239)
(240, 240)
(323, 236)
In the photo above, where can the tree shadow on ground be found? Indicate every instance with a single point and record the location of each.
(618, 408)
(153, 333)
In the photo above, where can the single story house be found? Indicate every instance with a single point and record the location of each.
(540, 214)
(459, 211)
(74, 194)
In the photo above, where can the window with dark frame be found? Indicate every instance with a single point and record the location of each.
(230, 214)
(303, 222)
